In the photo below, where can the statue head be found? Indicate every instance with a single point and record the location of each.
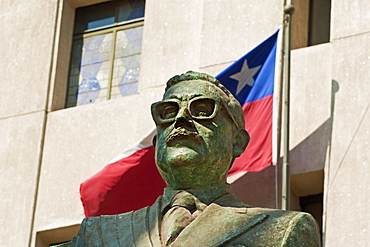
(200, 131)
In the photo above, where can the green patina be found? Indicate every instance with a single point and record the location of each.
(200, 131)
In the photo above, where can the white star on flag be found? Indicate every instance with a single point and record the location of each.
(245, 76)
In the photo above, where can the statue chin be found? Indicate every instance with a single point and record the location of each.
(182, 157)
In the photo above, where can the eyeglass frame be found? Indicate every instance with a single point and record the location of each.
(218, 103)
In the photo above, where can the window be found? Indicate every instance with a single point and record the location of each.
(105, 52)
(314, 205)
(310, 22)
(57, 236)
(319, 22)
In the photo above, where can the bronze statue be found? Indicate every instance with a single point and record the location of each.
(200, 131)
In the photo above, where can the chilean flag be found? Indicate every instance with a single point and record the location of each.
(251, 81)
(131, 181)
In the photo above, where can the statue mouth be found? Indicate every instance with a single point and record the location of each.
(181, 134)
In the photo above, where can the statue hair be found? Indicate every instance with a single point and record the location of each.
(192, 75)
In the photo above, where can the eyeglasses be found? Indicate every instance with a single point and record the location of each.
(200, 108)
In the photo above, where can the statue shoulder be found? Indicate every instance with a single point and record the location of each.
(283, 228)
(109, 230)
(302, 231)
(103, 230)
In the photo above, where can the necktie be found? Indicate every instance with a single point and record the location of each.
(184, 209)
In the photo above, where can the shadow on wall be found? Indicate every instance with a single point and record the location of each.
(311, 154)
(307, 161)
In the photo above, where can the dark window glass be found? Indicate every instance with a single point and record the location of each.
(130, 9)
(319, 19)
(107, 14)
(106, 52)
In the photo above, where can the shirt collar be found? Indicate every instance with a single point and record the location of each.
(206, 196)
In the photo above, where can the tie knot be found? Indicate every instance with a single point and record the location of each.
(186, 200)
(182, 210)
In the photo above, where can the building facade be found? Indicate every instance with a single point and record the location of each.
(54, 138)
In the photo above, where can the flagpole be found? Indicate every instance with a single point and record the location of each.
(288, 10)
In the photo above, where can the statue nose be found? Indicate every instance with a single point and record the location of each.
(184, 120)
(183, 114)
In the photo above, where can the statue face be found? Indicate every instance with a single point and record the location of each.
(194, 142)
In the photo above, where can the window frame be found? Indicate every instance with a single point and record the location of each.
(108, 29)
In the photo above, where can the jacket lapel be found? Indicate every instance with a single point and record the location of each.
(218, 225)
(139, 228)
(154, 216)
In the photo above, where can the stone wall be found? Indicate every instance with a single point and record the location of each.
(47, 151)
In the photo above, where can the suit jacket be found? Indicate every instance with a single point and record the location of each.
(225, 222)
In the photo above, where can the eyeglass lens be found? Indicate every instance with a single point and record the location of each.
(201, 108)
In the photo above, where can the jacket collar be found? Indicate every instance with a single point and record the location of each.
(227, 216)
(218, 225)
(206, 196)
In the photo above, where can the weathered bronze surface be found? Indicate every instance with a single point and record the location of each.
(200, 131)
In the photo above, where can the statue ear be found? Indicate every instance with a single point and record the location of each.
(154, 140)
(241, 140)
